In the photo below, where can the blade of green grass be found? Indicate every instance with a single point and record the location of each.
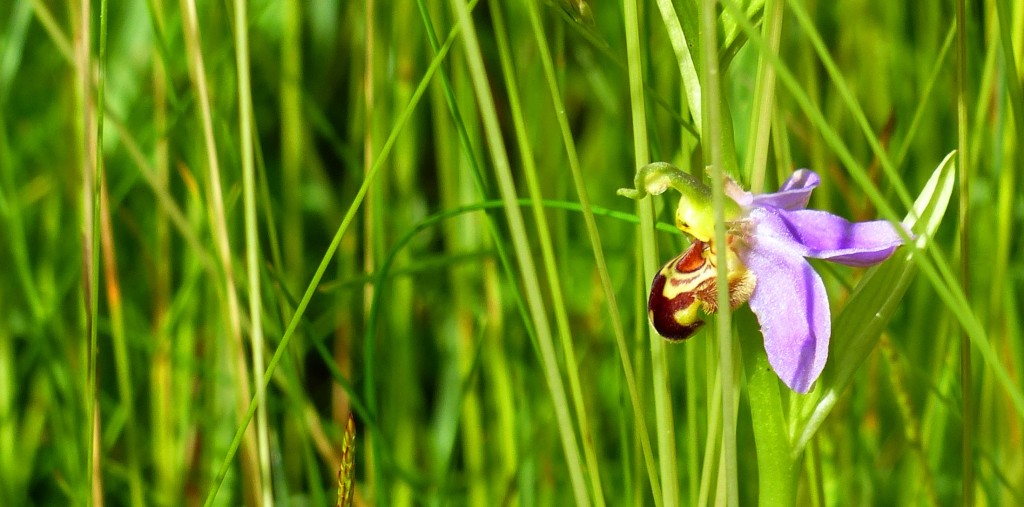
(763, 106)
(687, 70)
(858, 326)
(219, 226)
(252, 249)
(714, 145)
(346, 221)
(963, 228)
(94, 182)
(544, 236)
(595, 244)
(523, 251)
(664, 424)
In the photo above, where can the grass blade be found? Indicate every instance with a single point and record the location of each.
(861, 322)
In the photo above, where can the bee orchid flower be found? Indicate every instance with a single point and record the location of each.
(769, 238)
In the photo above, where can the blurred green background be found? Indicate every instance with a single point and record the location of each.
(348, 196)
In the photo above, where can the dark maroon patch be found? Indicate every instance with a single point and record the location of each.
(661, 310)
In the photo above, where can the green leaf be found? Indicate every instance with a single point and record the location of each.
(859, 325)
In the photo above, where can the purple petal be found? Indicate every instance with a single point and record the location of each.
(791, 305)
(793, 194)
(822, 235)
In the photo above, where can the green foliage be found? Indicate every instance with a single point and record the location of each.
(287, 214)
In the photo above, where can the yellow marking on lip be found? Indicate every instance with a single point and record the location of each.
(687, 316)
(679, 282)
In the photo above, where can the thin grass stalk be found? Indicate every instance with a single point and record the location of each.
(714, 144)
(523, 251)
(813, 469)
(479, 177)
(547, 250)
(712, 441)
(375, 482)
(293, 135)
(96, 471)
(119, 344)
(693, 456)
(456, 411)
(544, 238)
(92, 182)
(164, 200)
(1009, 25)
(218, 218)
(494, 356)
(499, 378)
(471, 419)
(597, 248)
(963, 161)
(11, 209)
(252, 247)
(163, 445)
(400, 193)
(325, 261)
(925, 101)
(266, 210)
(911, 423)
(687, 70)
(664, 426)
(764, 100)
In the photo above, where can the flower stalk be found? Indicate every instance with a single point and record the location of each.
(776, 468)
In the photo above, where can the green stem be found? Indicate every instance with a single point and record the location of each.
(775, 468)
(963, 163)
